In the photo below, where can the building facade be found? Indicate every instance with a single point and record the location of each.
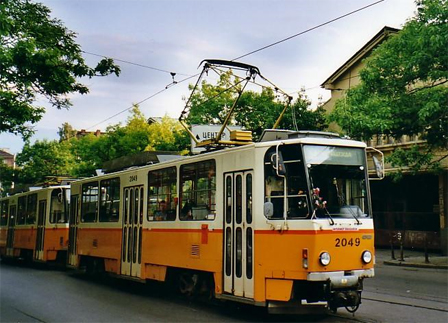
(10, 160)
(7, 158)
(414, 210)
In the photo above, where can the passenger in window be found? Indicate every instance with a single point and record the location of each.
(161, 212)
(186, 212)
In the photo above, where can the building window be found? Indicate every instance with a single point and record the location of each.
(162, 194)
(89, 205)
(379, 140)
(109, 199)
(198, 187)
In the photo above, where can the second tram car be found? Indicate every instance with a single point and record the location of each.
(34, 224)
(282, 222)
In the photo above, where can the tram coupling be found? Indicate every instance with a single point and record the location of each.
(350, 299)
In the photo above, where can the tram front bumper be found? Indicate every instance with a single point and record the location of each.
(341, 279)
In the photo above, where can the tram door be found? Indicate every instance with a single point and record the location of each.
(238, 236)
(11, 225)
(41, 219)
(73, 230)
(131, 256)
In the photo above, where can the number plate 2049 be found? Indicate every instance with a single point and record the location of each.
(347, 242)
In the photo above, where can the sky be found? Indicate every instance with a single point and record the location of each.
(176, 35)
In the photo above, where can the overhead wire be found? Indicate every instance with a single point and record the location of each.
(135, 64)
(308, 30)
(140, 102)
(237, 58)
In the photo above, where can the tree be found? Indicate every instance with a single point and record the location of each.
(259, 111)
(211, 103)
(86, 155)
(125, 140)
(43, 159)
(38, 57)
(66, 132)
(137, 135)
(403, 89)
(8, 176)
(80, 157)
(255, 111)
(168, 135)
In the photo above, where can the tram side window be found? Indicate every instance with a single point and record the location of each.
(27, 207)
(31, 209)
(21, 210)
(162, 194)
(89, 206)
(291, 185)
(198, 188)
(58, 206)
(109, 200)
(4, 213)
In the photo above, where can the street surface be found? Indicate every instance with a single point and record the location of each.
(396, 294)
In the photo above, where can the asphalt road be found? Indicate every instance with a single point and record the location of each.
(27, 294)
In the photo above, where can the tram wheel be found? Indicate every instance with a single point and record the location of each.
(187, 283)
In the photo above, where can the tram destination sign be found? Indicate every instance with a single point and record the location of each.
(206, 132)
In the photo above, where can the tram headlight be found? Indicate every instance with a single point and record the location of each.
(324, 258)
(366, 257)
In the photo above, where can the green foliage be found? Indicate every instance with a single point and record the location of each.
(42, 159)
(255, 111)
(38, 57)
(168, 135)
(211, 104)
(66, 132)
(300, 115)
(80, 157)
(404, 88)
(8, 176)
(86, 155)
(415, 158)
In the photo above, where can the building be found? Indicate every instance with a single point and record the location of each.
(7, 158)
(83, 133)
(10, 160)
(414, 210)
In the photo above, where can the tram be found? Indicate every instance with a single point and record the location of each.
(286, 221)
(34, 224)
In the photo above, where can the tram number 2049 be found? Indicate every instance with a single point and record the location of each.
(347, 242)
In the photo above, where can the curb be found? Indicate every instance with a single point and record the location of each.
(415, 265)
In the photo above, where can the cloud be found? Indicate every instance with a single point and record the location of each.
(177, 35)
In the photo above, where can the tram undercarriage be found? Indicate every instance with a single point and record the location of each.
(317, 298)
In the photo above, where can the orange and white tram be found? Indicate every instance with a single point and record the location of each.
(282, 222)
(34, 224)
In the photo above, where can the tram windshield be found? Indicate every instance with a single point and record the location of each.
(316, 181)
(337, 177)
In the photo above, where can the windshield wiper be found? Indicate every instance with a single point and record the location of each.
(319, 204)
(341, 200)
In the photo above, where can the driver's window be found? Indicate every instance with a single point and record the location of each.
(292, 186)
